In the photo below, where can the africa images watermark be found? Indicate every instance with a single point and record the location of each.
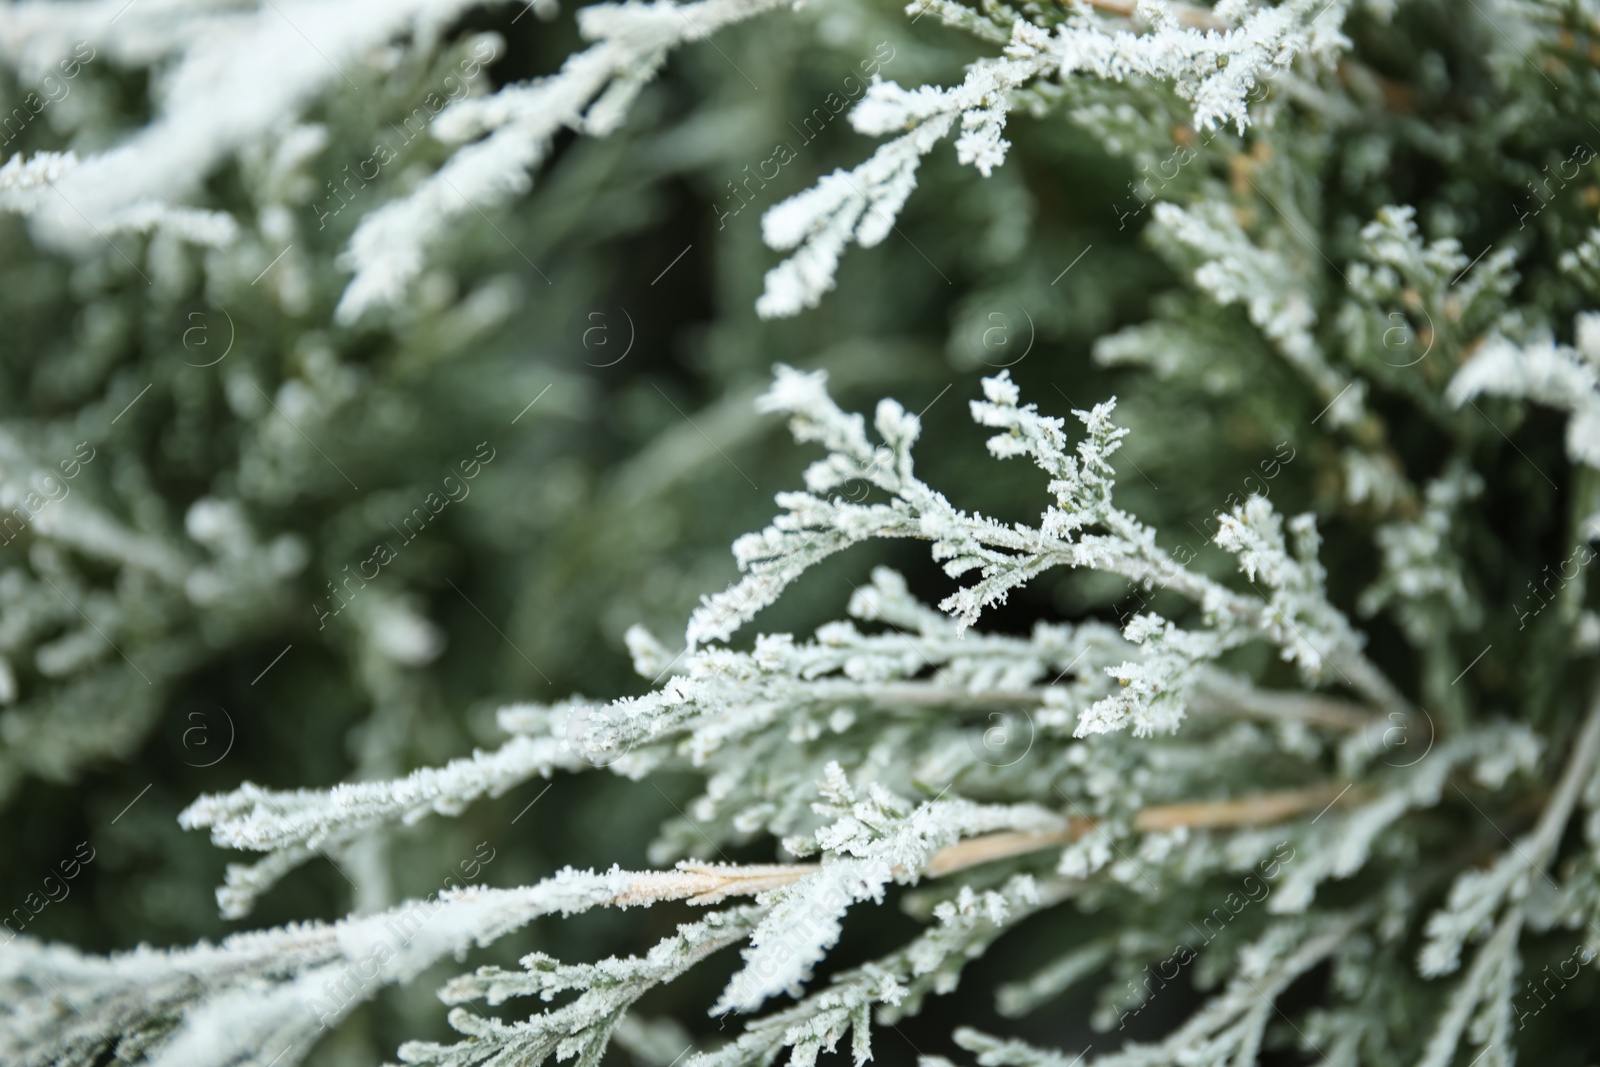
(1185, 953)
(1580, 955)
(840, 887)
(383, 553)
(341, 993)
(455, 88)
(1185, 553)
(55, 87)
(1181, 156)
(1560, 577)
(1578, 158)
(47, 489)
(33, 904)
(783, 153)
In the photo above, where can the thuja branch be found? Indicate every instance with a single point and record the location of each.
(710, 883)
(1478, 895)
(1264, 705)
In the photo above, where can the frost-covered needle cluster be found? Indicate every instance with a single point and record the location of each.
(773, 731)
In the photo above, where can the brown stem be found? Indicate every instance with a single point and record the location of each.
(1246, 811)
(709, 883)
(1261, 705)
(1284, 706)
(1214, 814)
(1197, 17)
(990, 847)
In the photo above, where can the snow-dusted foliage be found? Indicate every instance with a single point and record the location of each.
(509, 133)
(1216, 69)
(1326, 750)
(771, 729)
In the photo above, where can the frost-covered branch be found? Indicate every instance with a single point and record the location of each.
(1295, 615)
(1216, 71)
(182, 1007)
(510, 134)
(1566, 377)
(263, 997)
(584, 1027)
(1484, 995)
(229, 78)
(895, 985)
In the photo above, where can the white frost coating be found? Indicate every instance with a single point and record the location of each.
(23, 180)
(1082, 527)
(245, 999)
(1151, 698)
(30, 186)
(859, 205)
(232, 79)
(1215, 70)
(1545, 372)
(901, 701)
(1560, 376)
(590, 94)
(1233, 269)
(875, 839)
(581, 1026)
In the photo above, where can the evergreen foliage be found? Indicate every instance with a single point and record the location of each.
(380, 379)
